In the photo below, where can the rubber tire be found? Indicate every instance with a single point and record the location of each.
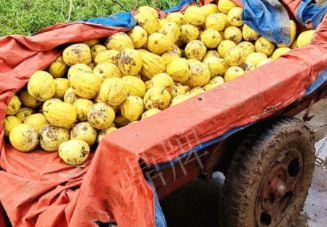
(250, 164)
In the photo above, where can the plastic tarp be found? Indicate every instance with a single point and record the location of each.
(38, 189)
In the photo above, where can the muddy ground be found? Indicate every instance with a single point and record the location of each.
(196, 204)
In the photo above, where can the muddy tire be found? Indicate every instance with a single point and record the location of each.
(270, 175)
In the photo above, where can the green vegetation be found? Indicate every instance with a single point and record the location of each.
(28, 16)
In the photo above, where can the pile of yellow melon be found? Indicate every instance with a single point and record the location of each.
(97, 86)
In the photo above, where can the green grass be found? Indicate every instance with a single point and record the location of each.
(28, 16)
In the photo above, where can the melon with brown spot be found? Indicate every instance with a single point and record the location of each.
(24, 138)
(41, 86)
(70, 96)
(195, 50)
(148, 22)
(150, 113)
(132, 108)
(74, 152)
(130, 62)
(200, 74)
(24, 112)
(179, 70)
(158, 43)
(84, 131)
(62, 114)
(194, 15)
(46, 105)
(263, 45)
(156, 97)
(216, 21)
(13, 106)
(152, 65)
(78, 68)
(139, 36)
(113, 91)
(211, 38)
(109, 56)
(216, 66)
(176, 17)
(188, 33)
(233, 72)
(234, 17)
(82, 107)
(119, 41)
(135, 86)
(10, 123)
(234, 34)
(58, 68)
(77, 53)
(106, 70)
(164, 81)
(28, 100)
(224, 46)
(52, 136)
(101, 116)
(234, 56)
(62, 86)
(97, 49)
(37, 121)
(85, 85)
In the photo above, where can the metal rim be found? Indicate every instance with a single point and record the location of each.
(279, 188)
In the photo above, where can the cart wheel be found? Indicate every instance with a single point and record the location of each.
(270, 175)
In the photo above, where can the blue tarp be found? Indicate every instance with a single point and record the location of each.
(309, 11)
(125, 20)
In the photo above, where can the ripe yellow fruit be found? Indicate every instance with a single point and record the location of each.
(62, 86)
(262, 45)
(58, 68)
(214, 82)
(162, 22)
(148, 22)
(216, 21)
(169, 56)
(139, 36)
(109, 56)
(194, 15)
(249, 34)
(74, 152)
(157, 97)
(10, 123)
(46, 105)
(216, 66)
(130, 62)
(132, 108)
(104, 132)
(224, 46)
(84, 131)
(152, 65)
(37, 121)
(92, 42)
(234, 34)
(113, 91)
(195, 50)
(28, 100)
(179, 70)
(164, 81)
(23, 113)
(106, 70)
(179, 89)
(41, 86)
(82, 107)
(70, 96)
(263, 62)
(77, 53)
(147, 85)
(211, 38)
(178, 99)
(101, 116)
(135, 86)
(158, 43)
(176, 17)
(211, 53)
(247, 47)
(225, 6)
(293, 34)
(85, 85)
(188, 33)
(209, 9)
(195, 91)
(233, 72)
(149, 10)
(97, 49)
(62, 114)
(234, 56)
(247, 66)
(52, 136)
(24, 138)
(255, 58)
(119, 41)
(279, 52)
(78, 68)
(294, 44)
(200, 74)
(150, 113)
(234, 17)
(173, 27)
(13, 106)
(305, 38)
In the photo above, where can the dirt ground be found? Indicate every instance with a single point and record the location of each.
(196, 204)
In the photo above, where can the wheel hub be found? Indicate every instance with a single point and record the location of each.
(278, 189)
